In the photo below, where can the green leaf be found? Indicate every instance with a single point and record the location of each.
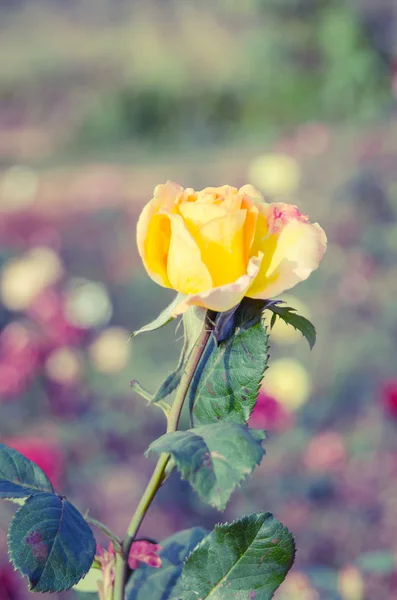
(86, 595)
(50, 542)
(226, 383)
(19, 476)
(164, 317)
(289, 316)
(165, 583)
(213, 458)
(244, 560)
(193, 321)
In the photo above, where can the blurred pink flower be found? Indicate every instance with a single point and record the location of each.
(48, 311)
(19, 359)
(46, 454)
(325, 452)
(313, 138)
(388, 396)
(270, 414)
(394, 77)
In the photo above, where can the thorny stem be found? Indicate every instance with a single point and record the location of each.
(160, 470)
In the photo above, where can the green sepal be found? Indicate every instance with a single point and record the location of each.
(289, 316)
(164, 317)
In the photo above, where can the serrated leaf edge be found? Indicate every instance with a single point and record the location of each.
(229, 340)
(236, 521)
(24, 575)
(36, 466)
(294, 312)
(239, 483)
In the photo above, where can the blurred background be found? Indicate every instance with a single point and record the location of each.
(101, 100)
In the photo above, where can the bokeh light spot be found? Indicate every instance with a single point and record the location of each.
(23, 278)
(64, 365)
(87, 303)
(110, 351)
(288, 381)
(275, 174)
(18, 187)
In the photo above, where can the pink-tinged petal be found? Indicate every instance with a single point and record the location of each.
(186, 271)
(293, 248)
(224, 297)
(154, 231)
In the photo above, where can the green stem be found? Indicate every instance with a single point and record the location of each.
(158, 474)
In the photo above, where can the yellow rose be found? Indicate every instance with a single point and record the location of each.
(221, 244)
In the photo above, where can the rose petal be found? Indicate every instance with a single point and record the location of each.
(220, 237)
(199, 213)
(222, 193)
(186, 271)
(249, 229)
(293, 248)
(251, 191)
(224, 297)
(154, 232)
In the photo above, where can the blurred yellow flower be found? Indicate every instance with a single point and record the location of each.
(325, 452)
(221, 244)
(282, 333)
(110, 351)
(275, 174)
(297, 587)
(64, 365)
(25, 277)
(351, 584)
(288, 381)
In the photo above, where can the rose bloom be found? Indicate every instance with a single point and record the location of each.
(221, 244)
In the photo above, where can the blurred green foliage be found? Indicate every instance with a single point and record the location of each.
(188, 73)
